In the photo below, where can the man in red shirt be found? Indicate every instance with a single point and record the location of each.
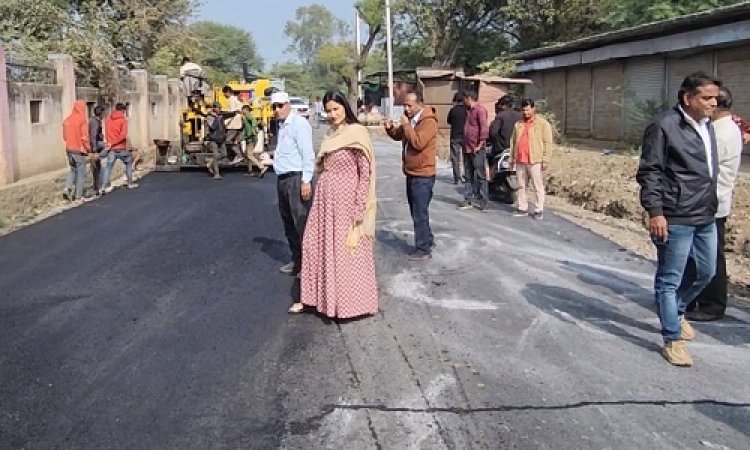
(476, 133)
(530, 147)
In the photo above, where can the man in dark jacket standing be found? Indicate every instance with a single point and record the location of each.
(677, 173)
(457, 120)
(501, 129)
(96, 137)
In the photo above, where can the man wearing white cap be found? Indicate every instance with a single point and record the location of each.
(294, 163)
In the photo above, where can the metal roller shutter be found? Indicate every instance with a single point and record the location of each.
(734, 71)
(554, 92)
(679, 68)
(644, 91)
(578, 102)
(607, 84)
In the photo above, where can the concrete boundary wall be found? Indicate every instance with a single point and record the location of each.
(31, 116)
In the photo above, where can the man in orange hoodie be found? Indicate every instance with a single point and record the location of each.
(418, 134)
(116, 134)
(77, 145)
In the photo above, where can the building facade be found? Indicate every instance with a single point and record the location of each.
(610, 85)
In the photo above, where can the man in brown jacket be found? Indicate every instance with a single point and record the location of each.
(530, 147)
(418, 134)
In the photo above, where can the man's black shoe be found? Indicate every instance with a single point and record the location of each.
(419, 255)
(700, 316)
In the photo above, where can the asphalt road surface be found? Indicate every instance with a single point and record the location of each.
(157, 318)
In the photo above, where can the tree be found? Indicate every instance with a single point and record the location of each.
(445, 28)
(535, 23)
(299, 80)
(626, 13)
(225, 48)
(98, 33)
(315, 27)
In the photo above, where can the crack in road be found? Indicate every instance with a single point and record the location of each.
(326, 410)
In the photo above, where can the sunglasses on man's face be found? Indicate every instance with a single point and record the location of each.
(278, 105)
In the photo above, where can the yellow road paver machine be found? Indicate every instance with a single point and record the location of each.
(193, 151)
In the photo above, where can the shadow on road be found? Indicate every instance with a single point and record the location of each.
(276, 249)
(730, 330)
(393, 241)
(737, 417)
(571, 306)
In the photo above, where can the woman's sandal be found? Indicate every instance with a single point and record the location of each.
(296, 308)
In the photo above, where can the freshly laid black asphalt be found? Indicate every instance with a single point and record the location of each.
(121, 319)
(156, 318)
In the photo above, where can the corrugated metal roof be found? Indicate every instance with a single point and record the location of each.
(495, 79)
(717, 16)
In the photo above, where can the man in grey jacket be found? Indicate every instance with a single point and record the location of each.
(677, 174)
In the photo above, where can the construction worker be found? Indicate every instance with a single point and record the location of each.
(217, 135)
(249, 141)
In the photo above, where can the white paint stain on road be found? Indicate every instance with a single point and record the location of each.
(405, 285)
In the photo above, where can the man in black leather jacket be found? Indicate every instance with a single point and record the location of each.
(677, 174)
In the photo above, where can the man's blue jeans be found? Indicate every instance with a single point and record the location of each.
(686, 264)
(419, 194)
(114, 155)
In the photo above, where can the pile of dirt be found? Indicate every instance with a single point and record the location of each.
(604, 182)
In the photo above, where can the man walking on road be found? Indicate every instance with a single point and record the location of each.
(530, 148)
(457, 120)
(216, 139)
(116, 130)
(418, 134)
(294, 163)
(476, 133)
(78, 146)
(233, 122)
(712, 301)
(677, 174)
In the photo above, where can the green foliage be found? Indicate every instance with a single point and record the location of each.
(644, 111)
(535, 23)
(626, 13)
(542, 110)
(299, 80)
(97, 34)
(314, 28)
(224, 48)
(500, 66)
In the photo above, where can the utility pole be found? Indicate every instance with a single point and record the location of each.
(358, 30)
(389, 47)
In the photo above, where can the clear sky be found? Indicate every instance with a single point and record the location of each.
(265, 20)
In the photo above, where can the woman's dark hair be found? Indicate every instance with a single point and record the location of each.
(338, 97)
(527, 102)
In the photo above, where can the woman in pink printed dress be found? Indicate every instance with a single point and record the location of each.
(338, 266)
